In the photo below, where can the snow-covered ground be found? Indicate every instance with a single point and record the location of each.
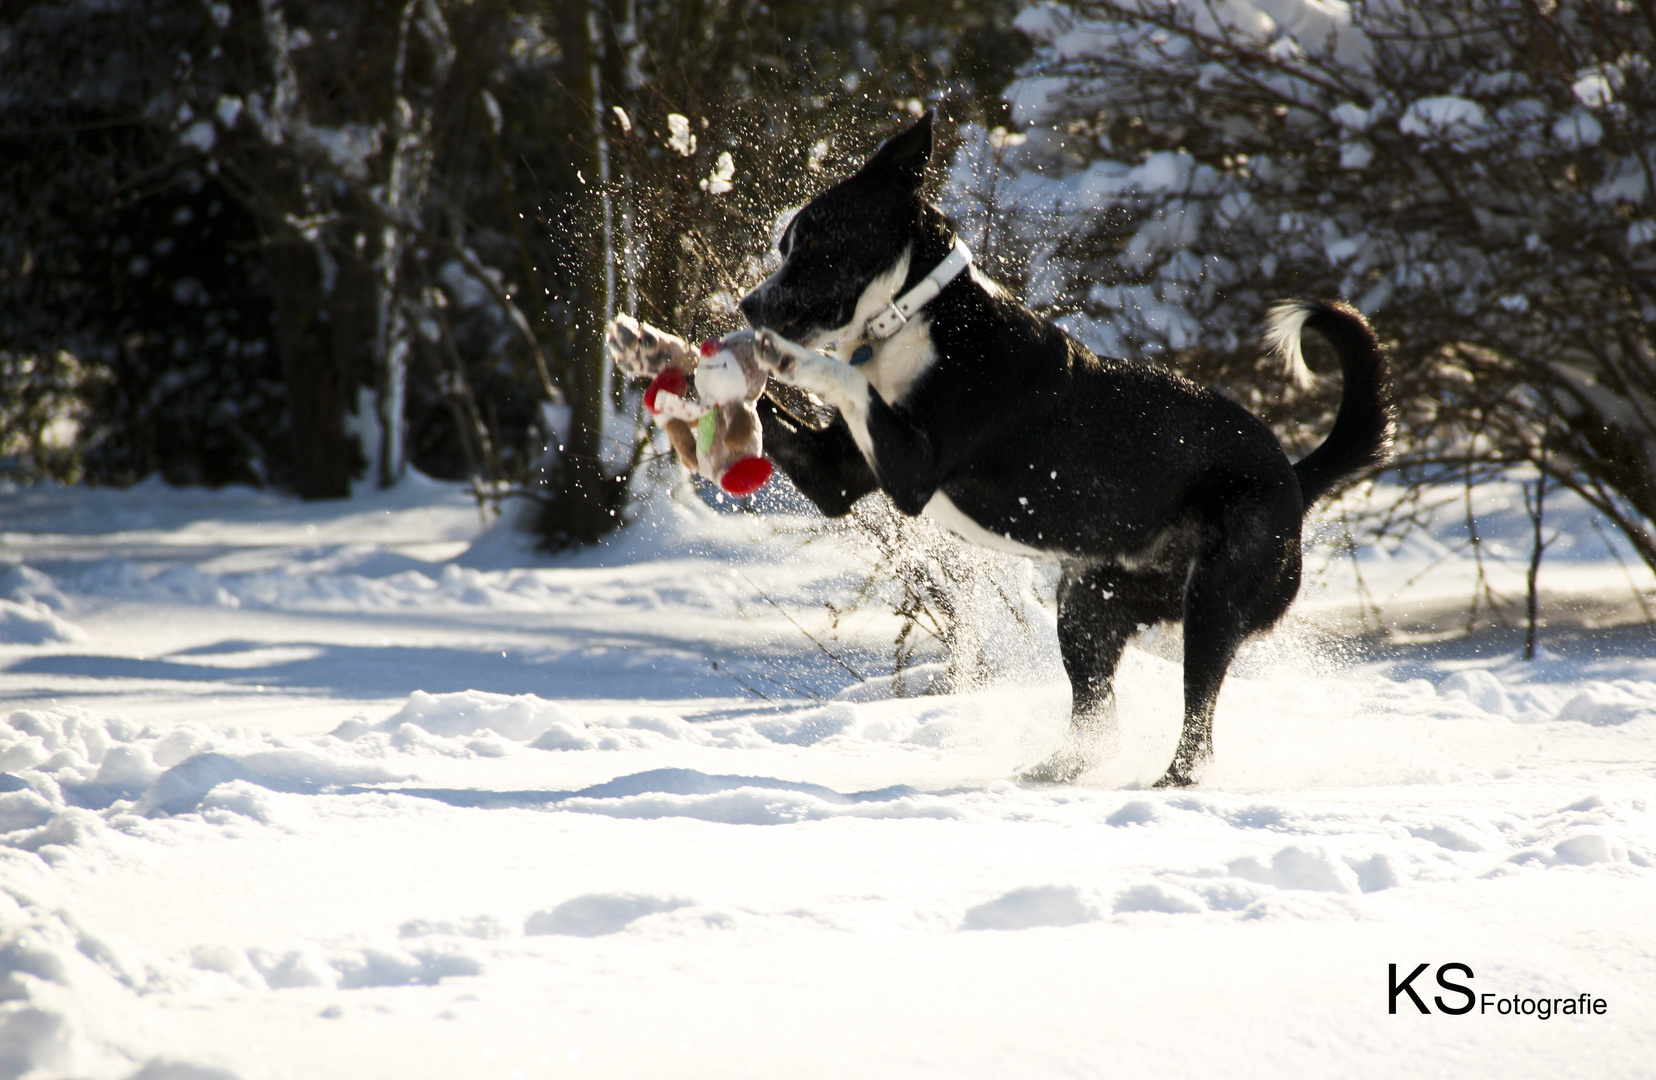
(362, 790)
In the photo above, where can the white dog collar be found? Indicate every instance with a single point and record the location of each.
(901, 310)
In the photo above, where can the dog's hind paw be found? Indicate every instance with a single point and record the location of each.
(1063, 767)
(1189, 762)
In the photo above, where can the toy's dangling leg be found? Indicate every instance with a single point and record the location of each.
(740, 444)
(746, 476)
(664, 398)
(684, 443)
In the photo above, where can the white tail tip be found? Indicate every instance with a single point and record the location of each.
(1283, 326)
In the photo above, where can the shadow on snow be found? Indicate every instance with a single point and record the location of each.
(181, 788)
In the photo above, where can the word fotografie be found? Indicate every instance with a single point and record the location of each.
(1516, 1005)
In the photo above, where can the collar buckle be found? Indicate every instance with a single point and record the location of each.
(903, 308)
(887, 322)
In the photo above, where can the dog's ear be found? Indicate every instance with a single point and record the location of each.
(906, 154)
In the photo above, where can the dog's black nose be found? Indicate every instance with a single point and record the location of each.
(750, 306)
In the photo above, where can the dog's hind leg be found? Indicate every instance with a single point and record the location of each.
(1099, 609)
(1245, 574)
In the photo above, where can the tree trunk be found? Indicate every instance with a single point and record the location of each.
(582, 502)
(324, 456)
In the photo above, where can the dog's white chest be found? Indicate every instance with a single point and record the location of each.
(856, 419)
(898, 364)
(900, 360)
(942, 510)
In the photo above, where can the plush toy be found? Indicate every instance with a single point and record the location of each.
(715, 430)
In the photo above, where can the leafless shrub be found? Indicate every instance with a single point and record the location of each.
(1478, 175)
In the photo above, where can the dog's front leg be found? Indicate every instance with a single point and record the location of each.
(823, 463)
(838, 384)
(901, 453)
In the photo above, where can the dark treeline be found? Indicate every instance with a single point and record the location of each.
(312, 242)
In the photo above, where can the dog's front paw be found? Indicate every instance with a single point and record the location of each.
(840, 385)
(777, 355)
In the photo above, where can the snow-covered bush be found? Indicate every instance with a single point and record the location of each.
(1477, 175)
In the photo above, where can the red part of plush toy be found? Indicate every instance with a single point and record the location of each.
(746, 476)
(672, 380)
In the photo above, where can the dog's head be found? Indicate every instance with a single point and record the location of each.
(844, 239)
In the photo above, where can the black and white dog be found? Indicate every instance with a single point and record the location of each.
(1161, 501)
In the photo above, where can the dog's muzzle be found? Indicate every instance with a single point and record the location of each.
(753, 308)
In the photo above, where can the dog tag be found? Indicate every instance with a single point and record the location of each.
(863, 354)
(705, 428)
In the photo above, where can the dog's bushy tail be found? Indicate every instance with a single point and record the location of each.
(1362, 434)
